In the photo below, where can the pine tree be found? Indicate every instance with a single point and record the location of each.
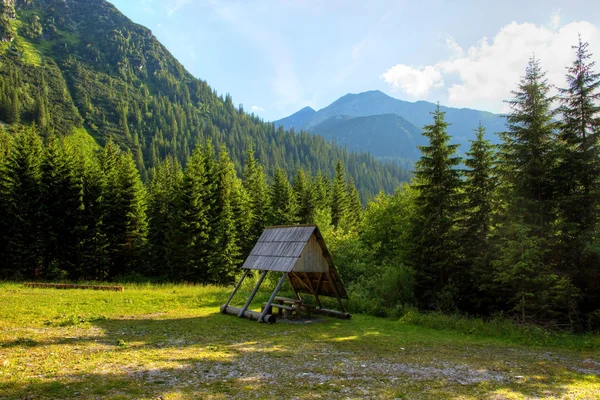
(578, 174)
(355, 209)
(304, 192)
(527, 154)
(62, 198)
(434, 253)
(259, 195)
(339, 196)
(125, 210)
(188, 242)
(283, 203)
(226, 252)
(162, 202)
(5, 190)
(480, 186)
(527, 160)
(24, 174)
(93, 252)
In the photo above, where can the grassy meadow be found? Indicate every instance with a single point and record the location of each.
(171, 342)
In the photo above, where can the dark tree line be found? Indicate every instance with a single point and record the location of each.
(69, 212)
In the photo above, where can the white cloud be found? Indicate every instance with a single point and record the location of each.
(483, 75)
(257, 109)
(414, 81)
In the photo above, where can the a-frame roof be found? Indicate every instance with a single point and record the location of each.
(279, 248)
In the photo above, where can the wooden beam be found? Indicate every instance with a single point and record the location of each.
(337, 294)
(260, 280)
(301, 281)
(294, 288)
(248, 314)
(268, 305)
(235, 289)
(317, 290)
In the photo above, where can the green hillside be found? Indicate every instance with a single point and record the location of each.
(83, 64)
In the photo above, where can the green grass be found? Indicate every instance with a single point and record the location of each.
(171, 342)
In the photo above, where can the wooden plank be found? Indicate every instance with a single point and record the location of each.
(260, 280)
(288, 299)
(235, 289)
(335, 290)
(282, 306)
(277, 289)
(70, 286)
(317, 290)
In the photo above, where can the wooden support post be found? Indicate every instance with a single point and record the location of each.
(235, 289)
(260, 280)
(317, 290)
(268, 305)
(337, 294)
(294, 288)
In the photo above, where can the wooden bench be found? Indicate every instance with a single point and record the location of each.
(288, 311)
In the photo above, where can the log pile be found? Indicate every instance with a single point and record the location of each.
(70, 286)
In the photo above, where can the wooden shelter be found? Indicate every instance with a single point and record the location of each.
(300, 254)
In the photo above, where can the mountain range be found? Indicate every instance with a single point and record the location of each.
(81, 66)
(386, 127)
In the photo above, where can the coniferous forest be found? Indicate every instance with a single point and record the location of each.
(183, 182)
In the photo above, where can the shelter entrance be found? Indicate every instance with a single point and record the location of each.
(300, 255)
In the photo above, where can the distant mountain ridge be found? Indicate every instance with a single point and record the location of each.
(344, 120)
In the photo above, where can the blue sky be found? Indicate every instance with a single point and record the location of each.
(277, 56)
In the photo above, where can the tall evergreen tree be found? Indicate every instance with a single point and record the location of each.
(257, 188)
(527, 154)
(226, 253)
(62, 198)
(188, 243)
(480, 186)
(5, 189)
(527, 161)
(355, 209)
(304, 192)
(578, 175)
(283, 202)
(434, 253)
(339, 196)
(25, 255)
(162, 205)
(125, 210)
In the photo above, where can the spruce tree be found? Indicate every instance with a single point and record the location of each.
(434, 251)
(527, 154)
(25, 251)
(257, 188)
(5, 189)
(304, 192)
(283, 203)
(480, 186)
(125, 211)
(355, 209)
(226, 252)
(578, 174)
(526, 164)
(62, 198)
(339, 196)
(188, 241)
(162, 203)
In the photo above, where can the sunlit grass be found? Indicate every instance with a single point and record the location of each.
(171, 341)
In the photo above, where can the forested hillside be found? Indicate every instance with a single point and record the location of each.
(76, 64)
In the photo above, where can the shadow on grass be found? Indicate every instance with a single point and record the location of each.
(221, 356)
